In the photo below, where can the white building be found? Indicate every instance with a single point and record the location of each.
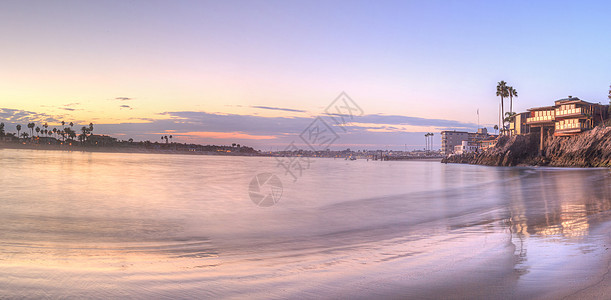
(465, 147)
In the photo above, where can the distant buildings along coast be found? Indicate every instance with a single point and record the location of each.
(567, 117)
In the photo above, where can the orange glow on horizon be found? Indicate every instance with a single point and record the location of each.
(224, 135)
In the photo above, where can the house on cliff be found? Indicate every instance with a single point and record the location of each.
(567, 117)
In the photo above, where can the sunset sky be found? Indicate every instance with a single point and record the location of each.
(258, 72)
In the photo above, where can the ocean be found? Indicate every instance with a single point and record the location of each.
(113, 225)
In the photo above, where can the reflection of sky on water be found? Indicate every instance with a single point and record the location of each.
(184, 226)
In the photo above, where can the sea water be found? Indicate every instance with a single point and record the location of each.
(108, 225)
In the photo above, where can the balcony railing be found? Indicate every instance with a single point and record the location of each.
(569, 126)
(565, 112)
(540, 119)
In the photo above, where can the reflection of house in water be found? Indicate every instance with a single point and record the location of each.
(561, 208)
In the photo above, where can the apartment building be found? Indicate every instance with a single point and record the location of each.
(451, 139)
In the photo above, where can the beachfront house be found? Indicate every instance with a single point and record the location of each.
(573, 116)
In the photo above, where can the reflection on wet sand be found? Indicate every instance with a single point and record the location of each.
(554, 206)
(556, 202)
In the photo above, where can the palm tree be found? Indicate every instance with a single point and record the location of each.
(512, 93)
(496, 127)
(85, 130)
(18, 129)
(1, 129)
(70, 133)
(31, 126)
(171, 137)
(501, 91)
(38, 131)
(432, 142)
(71, 124)
(25, 135)
(509, 116)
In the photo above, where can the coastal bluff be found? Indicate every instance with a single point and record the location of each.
(588, 149)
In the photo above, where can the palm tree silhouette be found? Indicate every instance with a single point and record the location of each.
(38, 131)
(512, 93)
(432, 142)
(31, 126)
(501, 91)
(18, 130)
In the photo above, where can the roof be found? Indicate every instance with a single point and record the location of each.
(572, 101)
(570, 98)
(541, 108)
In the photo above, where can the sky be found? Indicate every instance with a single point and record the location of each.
(259, 73)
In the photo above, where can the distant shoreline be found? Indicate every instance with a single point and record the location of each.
(103, 149)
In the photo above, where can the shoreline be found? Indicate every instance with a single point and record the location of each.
(4, 145)
(599, 287)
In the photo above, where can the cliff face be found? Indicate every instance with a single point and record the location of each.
(589, 149)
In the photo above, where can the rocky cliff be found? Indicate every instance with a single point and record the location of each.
(589, 149)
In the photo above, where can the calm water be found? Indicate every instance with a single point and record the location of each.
(105, 225)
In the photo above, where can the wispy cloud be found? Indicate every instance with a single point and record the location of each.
(126, 106)
(23, 116)
(124, 98)
(277, 108)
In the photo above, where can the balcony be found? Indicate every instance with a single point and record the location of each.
(570, 126)
(569, 112)
(540, 119)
